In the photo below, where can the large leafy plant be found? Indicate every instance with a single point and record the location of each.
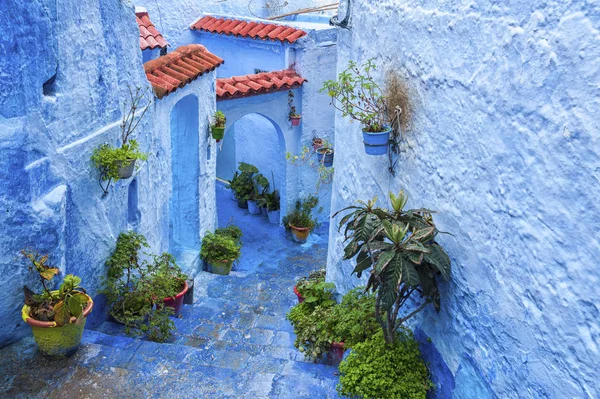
(59, 306)
(356, 94)
(377, 369)
(353, 320)
(315, 290)
(400, 249)
(243, 183)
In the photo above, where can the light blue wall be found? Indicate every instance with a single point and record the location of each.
(243, 56)
(504, 145)
(49, 193)
(184, 223)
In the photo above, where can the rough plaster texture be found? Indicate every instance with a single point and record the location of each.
(49, 196)
(504, 145)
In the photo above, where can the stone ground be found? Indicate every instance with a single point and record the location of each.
(234, 342)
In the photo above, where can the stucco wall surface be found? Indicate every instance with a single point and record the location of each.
(504, 145)
(49, 193)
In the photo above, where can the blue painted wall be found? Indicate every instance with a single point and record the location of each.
(504, 146)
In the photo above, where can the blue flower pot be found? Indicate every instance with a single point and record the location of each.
(377, 143)
(274, 217)
(253, 208)
(325, 156)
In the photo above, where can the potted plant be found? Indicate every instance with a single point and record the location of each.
(244, 184)
(273, 206)
(260, 185)
(399, 247)
(231, 231)
(217, 126)
(116, 163)
(300, 219)
(293, 116)
(357, 95)
(219, 252)
(317, 143)
(56, 317)
(394, 370)
(325, 156)
(132, 297)
(168, 282)
(313, 287)
(232, 185)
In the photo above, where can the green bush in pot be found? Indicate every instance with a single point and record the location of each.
(300, 219)
(219, 252)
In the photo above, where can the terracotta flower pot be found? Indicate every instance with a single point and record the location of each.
(55, 341)
(300, 234)
(295, 120)
(176, 301)
(300, 297)
(317, 143)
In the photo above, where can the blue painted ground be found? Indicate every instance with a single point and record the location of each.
(234, 342)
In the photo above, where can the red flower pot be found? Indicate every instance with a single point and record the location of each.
(300, 297)
(336, 352)
(295, 120)
(176, 301)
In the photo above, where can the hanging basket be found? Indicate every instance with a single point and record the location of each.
(217, 132)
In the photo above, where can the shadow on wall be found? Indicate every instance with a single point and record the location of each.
(257, 140)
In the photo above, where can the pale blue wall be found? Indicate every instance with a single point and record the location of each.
(184, 223)
(504, 145)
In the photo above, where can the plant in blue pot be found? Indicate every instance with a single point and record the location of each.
(357, 95)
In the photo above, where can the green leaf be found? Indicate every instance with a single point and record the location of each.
(440, 259)
(363, 262)
(383, 260)
(74, 305)
(423, 234)
(61, 314)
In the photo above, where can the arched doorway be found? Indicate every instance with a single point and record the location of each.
(258, 140)
(184, 224)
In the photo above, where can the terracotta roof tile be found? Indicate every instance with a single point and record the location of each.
(150, 37)
(236, 27)
(266, 82)
(174, 70)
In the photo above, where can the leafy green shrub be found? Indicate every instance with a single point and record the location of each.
(301, 215)
(375, 369)
(166, 279)
(353, 320)
(312, 327)
(219, 120)
(109, 159)
(132, 285)
(243, 183)
(231, 231)
(314, 289)
(219, 248)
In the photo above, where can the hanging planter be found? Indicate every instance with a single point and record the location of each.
(317, 143)
(218, 126)
(377, 143)
(292, 115)
(325, 156)
(125, 171)
(295, 119)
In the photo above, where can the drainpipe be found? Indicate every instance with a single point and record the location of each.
(343, 23)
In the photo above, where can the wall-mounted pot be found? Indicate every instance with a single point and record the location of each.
(377, 143)
(325, 156)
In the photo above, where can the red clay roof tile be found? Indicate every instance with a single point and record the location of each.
(244, 29)
(174, 70)
(266, 82)
(150, 37)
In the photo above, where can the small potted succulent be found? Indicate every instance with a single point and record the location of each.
(293, 116)
(219, 251)
(357, 95)
(300, 219)
(217, 126)
(56, 317)
(115, 163)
